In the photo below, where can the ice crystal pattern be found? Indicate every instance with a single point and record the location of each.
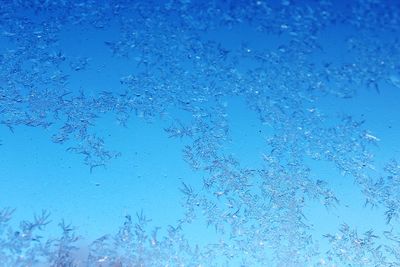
(258, 213)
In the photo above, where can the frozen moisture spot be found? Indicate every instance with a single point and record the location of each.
(395, 80)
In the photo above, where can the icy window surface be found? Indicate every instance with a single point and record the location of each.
(199, 133)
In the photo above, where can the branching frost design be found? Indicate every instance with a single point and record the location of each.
(257, 215)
